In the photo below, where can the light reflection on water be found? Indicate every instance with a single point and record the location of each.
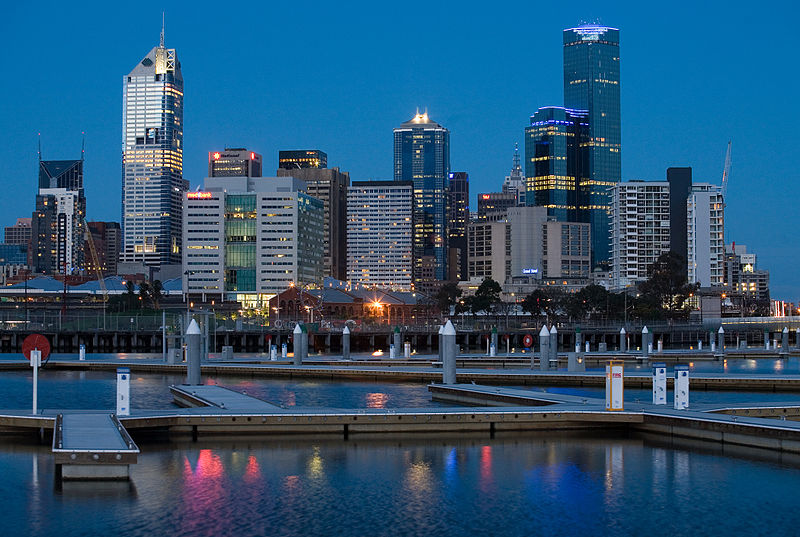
(516, 485)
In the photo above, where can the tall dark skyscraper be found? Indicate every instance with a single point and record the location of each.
(680, 185)
(422, 155)
(592, 83)
(302, 158)
(457, 224)
(152, 159)
(555, 162)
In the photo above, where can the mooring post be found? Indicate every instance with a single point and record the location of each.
(297, 334)
(645, 342)
(193, 354)
(553, 345)
(441, 343)
(623, 347)
(544, 349)
(721, 333)
(448, 337)
(345, 343)
(785, 340)
(397, 340)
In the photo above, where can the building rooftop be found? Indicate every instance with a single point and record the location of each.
(420, 120)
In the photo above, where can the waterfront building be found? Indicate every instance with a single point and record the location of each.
(380, 234)
(13, 262)
(302, 158)
(422, 155)
(494, 206)
(234, 162)
(248, 238)
(514, 182)
(556, 162)
(566, 250)
(457, 222)
(19, 233)
(107, 240)
(329, 185)
(592, 83)
(527, 228)
(152, 163)
(680, 185)
(641, 228)
(705, 221)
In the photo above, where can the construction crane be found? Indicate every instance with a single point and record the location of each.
(726, 172)
(96, 263)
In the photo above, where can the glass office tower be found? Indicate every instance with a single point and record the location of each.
(152, 159)
(422, 155)
(556, 161)
(591, 82)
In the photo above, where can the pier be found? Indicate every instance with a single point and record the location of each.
(92, 446)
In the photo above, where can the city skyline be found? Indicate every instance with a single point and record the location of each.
(687, 109)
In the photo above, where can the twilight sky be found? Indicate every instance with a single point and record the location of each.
(339, 76)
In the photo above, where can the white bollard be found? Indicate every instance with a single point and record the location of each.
(449, 353)
(407, 350)
(284, 351)
(553, 345)
(36, 362)
(123, 391)
(544, 349)
(646, 348)
(681, 401)
(721, 335)
(193, 354)
(623, 344)
(713, 346)
(82, 355)
(273, 353)
(492, 350)
(345, 343)
(660, 384)
(588, 346)
(615, 389)
(699, 344)
(660, 345)
(297, 338)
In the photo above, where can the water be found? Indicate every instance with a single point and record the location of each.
(59, 389)
(522, 485)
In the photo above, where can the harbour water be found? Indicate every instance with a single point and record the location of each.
(548, 484)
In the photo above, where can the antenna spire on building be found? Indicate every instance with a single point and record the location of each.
(83, 144)
(40, 147)
(162, 30)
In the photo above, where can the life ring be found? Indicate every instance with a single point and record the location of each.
(527, 341)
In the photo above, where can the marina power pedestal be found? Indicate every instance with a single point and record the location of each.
(123, 391)
(615, 372)
(681, 387)
(660, 384)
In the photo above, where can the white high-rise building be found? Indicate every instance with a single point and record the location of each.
(640, 229)
(152, 161)
(380, 234)
(246, 239)
(705, 224)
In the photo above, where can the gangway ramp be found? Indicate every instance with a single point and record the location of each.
(219, 397)
(90, 445)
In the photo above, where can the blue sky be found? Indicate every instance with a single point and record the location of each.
(339, 76)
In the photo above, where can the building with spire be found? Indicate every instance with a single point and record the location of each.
(152, 159)
(514, 182)
(422, 155)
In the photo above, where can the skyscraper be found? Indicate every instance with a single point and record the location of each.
(457, 222)
(556, 161)
(680, 185)
(234, 162)
(591, 83)
(705, 231)
(514, 182)
(422, 155)
(152, 160)
(57, 224)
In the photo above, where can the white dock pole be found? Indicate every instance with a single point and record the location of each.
(297, 335)
(660, 384)
(36, 361)
(82, 353)
(645, 342)
(544, 348)
(553, 346)
(123, 391)
(193, 354)
(345, 343)
(449, 353)
(623, 347)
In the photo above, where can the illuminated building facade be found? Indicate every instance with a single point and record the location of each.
(457, 222)
(422, 155)
(246, 239)
(19, 233)
(494, 206)
(592, 83)
(107, 238)
(380, 234)
(152, 164)
(556, 161)
(302, 158)
(234, 162)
